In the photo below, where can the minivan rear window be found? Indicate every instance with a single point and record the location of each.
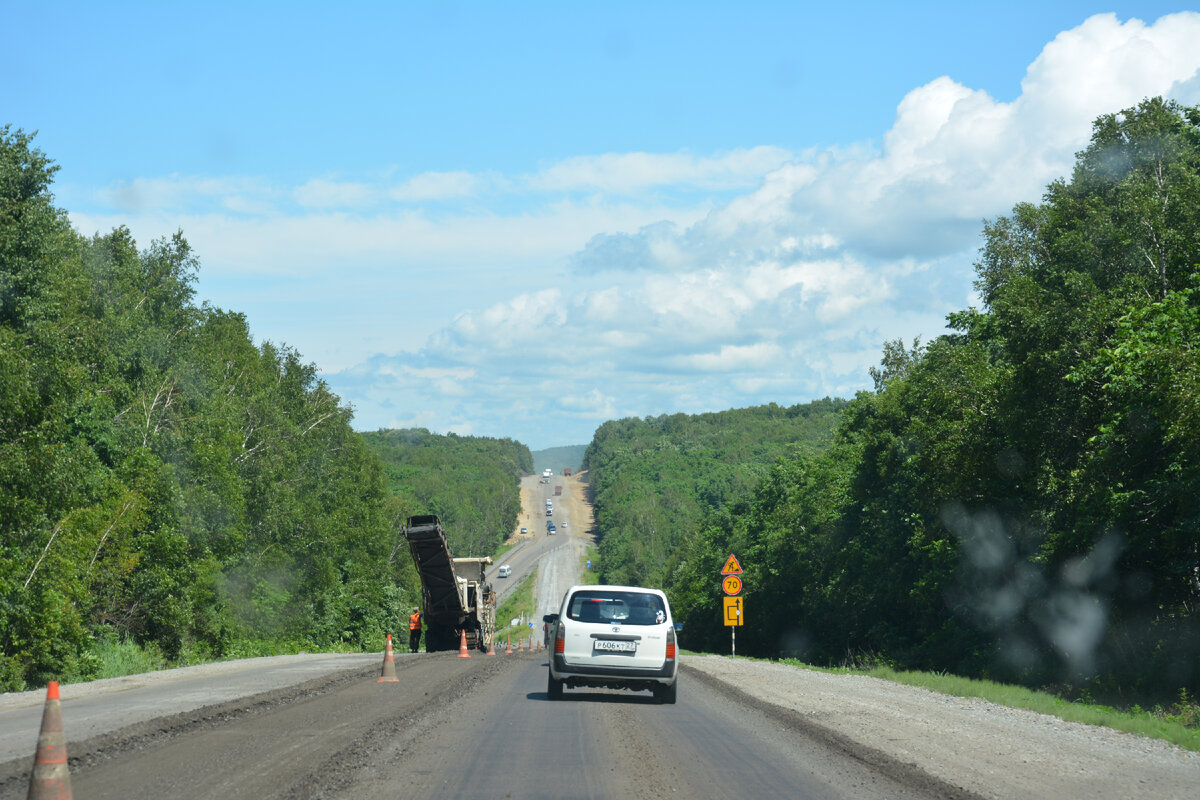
(622, 608)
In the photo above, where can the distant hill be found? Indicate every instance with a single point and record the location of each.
(556, 458)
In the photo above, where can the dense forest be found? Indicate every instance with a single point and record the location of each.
(469, 481)
(653, 480)
(1018, 498)
(168, 484)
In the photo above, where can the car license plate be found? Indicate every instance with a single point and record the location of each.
(614, 646)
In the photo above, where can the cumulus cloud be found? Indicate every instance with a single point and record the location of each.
(625, 173)
(786, 292)
(644, 283)
(733, 358)
(953, 156)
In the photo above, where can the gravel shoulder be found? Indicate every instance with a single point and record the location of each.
(990, 750)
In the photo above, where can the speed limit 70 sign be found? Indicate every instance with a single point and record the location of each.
(731, 582)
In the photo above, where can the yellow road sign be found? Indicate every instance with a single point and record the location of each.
(732, 567)
(732, 584)
(733, 611)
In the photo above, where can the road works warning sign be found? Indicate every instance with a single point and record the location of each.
(732, 567)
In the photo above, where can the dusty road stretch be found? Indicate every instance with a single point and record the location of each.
(483, 728)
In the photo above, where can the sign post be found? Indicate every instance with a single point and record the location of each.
(731, 584)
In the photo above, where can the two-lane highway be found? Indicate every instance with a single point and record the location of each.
(554, 558)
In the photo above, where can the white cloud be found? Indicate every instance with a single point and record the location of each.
(625, 173)
(786, 292)
(592, 405)
(324, 193)
(783, 293)
(147, 195)
(513, 323)
(437, 186)
(737, 358)
(316, 242)
(952, 157)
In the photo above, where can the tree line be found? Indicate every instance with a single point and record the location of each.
(1018, 498)
(165, 481)
(653, 480)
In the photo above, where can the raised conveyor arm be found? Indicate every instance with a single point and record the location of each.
(427, 541)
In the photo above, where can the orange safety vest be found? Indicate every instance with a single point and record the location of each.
(414, 621)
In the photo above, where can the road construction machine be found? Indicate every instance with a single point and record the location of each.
(458, 598)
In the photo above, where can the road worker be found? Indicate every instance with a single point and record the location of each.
(414, 630)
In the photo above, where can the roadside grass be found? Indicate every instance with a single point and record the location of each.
(518, 605)
(114, 657)
(501, 550)
(589, 577)
(1176, 724)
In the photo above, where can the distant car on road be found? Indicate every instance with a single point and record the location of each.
(504, 571)
(524, 530)
(617, 637)
(550, 529)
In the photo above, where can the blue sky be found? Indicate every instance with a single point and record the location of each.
(523, 219)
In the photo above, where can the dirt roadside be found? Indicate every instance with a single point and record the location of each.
(301, 741)
(991, 750)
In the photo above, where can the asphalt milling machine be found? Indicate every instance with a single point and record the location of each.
(458, 599)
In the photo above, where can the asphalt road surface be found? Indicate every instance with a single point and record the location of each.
(467, 728)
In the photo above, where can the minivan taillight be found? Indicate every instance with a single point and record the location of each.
(671, 644)
(560, 642)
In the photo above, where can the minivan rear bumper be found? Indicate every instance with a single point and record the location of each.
(561, 669)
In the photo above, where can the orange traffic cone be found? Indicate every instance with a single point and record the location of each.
(491, 651)
(388, 674)
(520, 645)
(51, 780)
(508, 648)
(462, 646)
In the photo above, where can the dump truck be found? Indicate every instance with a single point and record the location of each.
(458, 598)
(557, 491)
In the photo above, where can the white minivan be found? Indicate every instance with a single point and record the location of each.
(616, 637)
(504, 571)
